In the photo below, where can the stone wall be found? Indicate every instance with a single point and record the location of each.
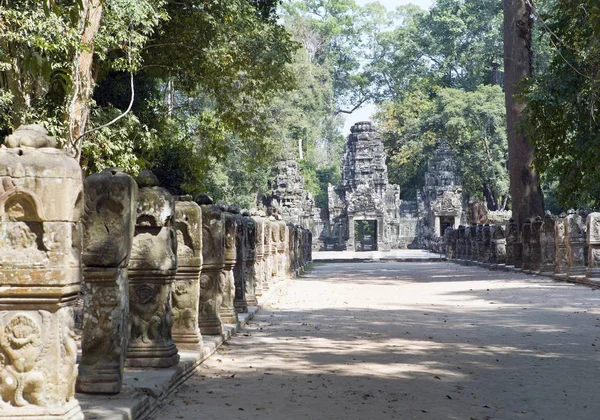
(565, 247)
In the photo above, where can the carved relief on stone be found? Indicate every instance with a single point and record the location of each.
(41, 201)
(593, 241)
(548, 245)
(536, 244)
(561, 263)
(575, 241)
(152, 270)
(185, 292)
(499, 245)
(512, 232)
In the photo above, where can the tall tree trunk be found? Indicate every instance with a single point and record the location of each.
(83, 80)
(527, 197)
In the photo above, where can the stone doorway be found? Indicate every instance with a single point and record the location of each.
(365, 235)
(445, 222)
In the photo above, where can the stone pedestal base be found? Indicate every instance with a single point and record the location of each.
(227, 309)
(69, 411)
(212, 283)
(104, 336)
(150, 320)
(38, 372)
(185, 300)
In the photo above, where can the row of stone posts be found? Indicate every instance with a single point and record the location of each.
(156, 272)
(565, 247)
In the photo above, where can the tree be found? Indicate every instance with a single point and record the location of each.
(562, 101)
(525, 187)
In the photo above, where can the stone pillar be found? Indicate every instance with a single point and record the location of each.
(487, 244)
(548, 246)
(108, 227)
(561, 260)
(259, 262)
(436, 227)
(290, 249)
(281, 249)
(526, 241)
(227, 310)
(186, 287)
(593, 242)
(473, 241)
(274, 229)
(498, 247)
(240, 303)
(251, 247)
(212, 281)
(576, 243)
(267, 256)
(468, 248)
(294, 250)
(536, 244)
(480, 243)
(41, 202)
(460, 249)
(512, 232)
(151, 273)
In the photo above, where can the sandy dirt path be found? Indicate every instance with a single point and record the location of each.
(407, 341)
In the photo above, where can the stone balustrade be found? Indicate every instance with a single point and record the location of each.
(566, 247)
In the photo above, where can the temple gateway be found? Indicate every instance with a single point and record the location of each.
(364, 210)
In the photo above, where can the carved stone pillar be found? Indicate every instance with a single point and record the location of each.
(561, 260)
(274, 229)
(259, 262)
(267, 256)
(576, 244)
(185, 294)
(548, 244)
(281, 249)
(227, 310)
(536, 244)
(250, 258)
(487, 244)
(512, 232)
(151, 273)
(460, 250)
(290, 248)
(108, 226)
(593, 242)
(473, 241)
(498, 259)
(41, 201)
(479, 241)
(526, 241)
(240, 303)
(212, 281)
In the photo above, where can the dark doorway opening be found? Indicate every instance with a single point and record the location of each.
(365, 235)
(445, 222)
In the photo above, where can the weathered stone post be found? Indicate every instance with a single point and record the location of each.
(593, 241)
(151, 273)
(240, 303)
(108, 225)
(511, 238)
(267, 255)
(548, 244)
(487, 244)
(227, 310)
(309, 237)
(473, 240)
(518, 250)
(480, 243)
(460, 249)
(259, 262)
(186, 287)
(576, 242)
(294, 249)
(536, 244)
(561, 261)
(281, 249)
(468, 248)
(212, 281)
(274, 229)
(290, 249)
(250, 273)
(498, 247)
(526, 241)
(41, 202)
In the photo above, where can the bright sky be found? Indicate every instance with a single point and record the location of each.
(364, 113)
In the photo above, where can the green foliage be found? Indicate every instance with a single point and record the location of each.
(562, 102)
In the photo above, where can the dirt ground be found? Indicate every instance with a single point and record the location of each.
(407, 341)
